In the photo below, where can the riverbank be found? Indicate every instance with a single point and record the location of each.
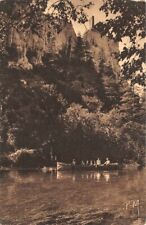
(123, 167)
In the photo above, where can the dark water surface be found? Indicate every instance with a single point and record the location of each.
(72, 198)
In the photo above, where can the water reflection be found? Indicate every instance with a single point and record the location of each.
(92, 176)
(30, 196)
(19, 177)
(106, 176)
(96, 176)
(30, 177)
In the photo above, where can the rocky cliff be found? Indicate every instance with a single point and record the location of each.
(27, 42)
(65, 39)
(103, 48)
(28, 46)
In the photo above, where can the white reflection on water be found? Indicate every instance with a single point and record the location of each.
(106, 176)
(96, 176)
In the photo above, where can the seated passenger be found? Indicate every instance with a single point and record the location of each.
(107, 162)
(82, 163)
(73, 162)
(98, 162)
(91, 163)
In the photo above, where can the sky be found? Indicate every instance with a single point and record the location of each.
(93, 11)
(100, 16)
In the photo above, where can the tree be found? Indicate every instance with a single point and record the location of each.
(128, 22)
(84, 137)
(81, 53)
(3, 32)
(111, 88)
(108, 87)
(130, 106)
(5, 138)
(126, 123)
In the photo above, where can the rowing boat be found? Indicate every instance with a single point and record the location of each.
(66, 166)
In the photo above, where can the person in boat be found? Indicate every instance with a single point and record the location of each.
(91, 163)
(82, 163)
(87, 162)
(98, 162)
(73, 162)
(107, 162)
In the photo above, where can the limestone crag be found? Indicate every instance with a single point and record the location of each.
(29, 47)
(65, 39)
(103, 48)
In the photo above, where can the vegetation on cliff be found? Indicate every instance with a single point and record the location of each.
(69, 108)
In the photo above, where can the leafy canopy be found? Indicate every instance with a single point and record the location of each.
(29, 13)
(128, 21)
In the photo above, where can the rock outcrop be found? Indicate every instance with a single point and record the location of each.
(103, 48)
(26, 46)
(65, 39)
(29, 47)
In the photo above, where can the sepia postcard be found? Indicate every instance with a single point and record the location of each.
(72, 112)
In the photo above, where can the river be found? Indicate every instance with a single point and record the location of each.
(80, 198)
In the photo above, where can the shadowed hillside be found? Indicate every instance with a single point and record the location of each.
(62, 95)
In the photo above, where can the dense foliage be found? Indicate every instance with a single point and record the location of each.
(67, 109)
(129, 23)
(59, 110)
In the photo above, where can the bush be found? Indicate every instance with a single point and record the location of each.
(26, 158)
(5, 161)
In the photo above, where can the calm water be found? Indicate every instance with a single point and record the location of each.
(70, 198)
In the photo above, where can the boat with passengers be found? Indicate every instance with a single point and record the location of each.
(61, 166)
